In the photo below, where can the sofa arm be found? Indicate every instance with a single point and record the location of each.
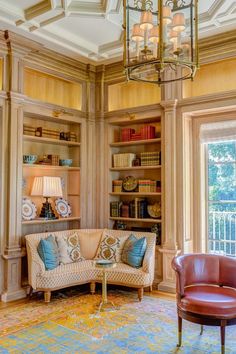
(35, 265)
(149, 258)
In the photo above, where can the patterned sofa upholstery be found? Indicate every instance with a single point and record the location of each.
(85, 271)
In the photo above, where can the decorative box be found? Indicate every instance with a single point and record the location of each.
(123, 160)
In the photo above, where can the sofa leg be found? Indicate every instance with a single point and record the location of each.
(140, 294)
(92, 287)
(47, 296)
(30, 292)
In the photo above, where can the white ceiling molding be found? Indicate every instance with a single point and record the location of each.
(93, 28)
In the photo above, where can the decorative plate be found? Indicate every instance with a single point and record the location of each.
(29, 209)
(129, 183)
(63, 207)
(154, 210)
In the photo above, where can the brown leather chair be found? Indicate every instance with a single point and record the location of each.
(206, 291)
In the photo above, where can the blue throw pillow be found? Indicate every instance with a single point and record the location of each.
(48, 252)
(133, 251)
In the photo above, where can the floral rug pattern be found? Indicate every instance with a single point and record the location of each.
(72, 325)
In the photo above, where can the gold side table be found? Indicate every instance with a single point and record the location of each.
(104, 264)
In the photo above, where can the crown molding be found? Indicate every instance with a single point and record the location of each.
(217, 47)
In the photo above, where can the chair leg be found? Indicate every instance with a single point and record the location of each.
(150, 289)
(140, 294)
(201, 331)
(179, 331)
(222, 334)
(92, 287)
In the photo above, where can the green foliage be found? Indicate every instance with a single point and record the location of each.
(222, 173)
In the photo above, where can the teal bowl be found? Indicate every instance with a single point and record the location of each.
(65, 162)
(30, 159)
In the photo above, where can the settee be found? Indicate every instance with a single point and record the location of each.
(85, 271)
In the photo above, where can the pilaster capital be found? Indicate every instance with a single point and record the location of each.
(17, 46)
(169, 105)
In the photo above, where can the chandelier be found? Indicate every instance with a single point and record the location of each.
(160, 40)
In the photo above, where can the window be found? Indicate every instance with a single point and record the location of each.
(221, 189)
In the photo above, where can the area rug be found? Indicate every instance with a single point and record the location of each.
(71, 324)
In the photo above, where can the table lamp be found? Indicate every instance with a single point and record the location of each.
(47, 187)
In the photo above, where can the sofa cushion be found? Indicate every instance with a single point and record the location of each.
(133, 251)
(48, 252)
(69, 248)
(89, 242)
(110, 246)
(85, 272)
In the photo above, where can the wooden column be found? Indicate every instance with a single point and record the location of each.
(169, 232)
(100, 148)
(13, 116)
(91, 148)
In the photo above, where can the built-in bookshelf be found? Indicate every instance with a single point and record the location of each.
(55, 144)
(135, 191)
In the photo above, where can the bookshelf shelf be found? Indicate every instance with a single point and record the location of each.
(36, 139)
(50, 167)
(135, 168)
(40, 221)
(137, 142)
(152, 221)
(136, 194)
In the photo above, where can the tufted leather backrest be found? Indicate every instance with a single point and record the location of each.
(204, 269)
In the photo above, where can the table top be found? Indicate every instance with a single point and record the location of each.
(104, 263)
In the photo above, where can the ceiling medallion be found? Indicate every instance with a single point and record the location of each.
(161, 40)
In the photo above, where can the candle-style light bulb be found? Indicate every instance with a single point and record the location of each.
(154, 38)
(137, 36)
(146, 23)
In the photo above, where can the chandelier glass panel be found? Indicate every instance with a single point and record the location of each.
(160, 40)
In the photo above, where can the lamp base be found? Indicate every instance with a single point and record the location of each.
(47, 211)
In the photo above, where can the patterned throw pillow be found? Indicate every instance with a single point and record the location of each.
(69, 248)
(48, 252)
(109, 248)
(134, 251)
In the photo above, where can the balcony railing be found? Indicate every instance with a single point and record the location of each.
(222, 233)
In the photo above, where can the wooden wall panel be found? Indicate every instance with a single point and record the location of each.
(132, 94)
(48, 88)
(1, 73)
(212, 78)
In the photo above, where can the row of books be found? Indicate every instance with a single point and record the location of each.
(49, 133)
(144, 186)
(146, 132)
(137, 208)
(150, 158)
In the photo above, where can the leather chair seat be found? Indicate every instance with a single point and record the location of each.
(210, 301)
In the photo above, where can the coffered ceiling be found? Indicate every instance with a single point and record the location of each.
(92, 30)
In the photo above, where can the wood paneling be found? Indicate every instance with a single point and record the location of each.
(48, 88)
(1, 73)
(132, 94)
(212, 78)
